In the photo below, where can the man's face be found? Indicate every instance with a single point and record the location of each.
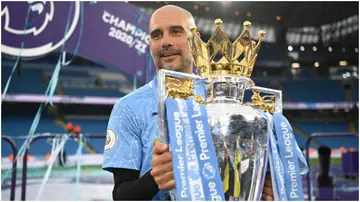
(169, 29)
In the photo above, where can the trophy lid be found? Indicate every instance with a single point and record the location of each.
(229, 65)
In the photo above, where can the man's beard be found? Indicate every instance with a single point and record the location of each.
(185, 61)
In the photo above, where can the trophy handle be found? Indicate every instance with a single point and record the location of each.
(277, 93)
(162, 94)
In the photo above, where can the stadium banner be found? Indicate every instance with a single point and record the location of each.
(114, 34)
(33, 98)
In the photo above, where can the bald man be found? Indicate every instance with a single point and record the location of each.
(143, 171)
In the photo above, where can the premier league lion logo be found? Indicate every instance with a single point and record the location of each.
(209, 171)
(39, 25)
(44, 12)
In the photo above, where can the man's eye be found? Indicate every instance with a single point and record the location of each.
(156, 35)
(176, 32)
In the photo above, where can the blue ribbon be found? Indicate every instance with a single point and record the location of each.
(287, 163)
(204, 146)
(17, 59)
(78, 166)
(290, 155)
(195, 180)
(177, 146)
(195, 165)
(49, 92)
(276, 166)
(80, 34)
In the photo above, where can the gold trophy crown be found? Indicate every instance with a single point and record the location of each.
(229, 65)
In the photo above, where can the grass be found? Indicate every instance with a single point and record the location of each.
(97, 168)
(56, 171)
(334, 161)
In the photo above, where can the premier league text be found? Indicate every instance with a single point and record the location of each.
(291, 164)
(179, 149)
(204, 155)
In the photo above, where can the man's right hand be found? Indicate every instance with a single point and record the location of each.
(162, 170)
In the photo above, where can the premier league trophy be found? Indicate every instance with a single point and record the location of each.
(221, 145)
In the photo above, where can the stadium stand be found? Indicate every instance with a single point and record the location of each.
(82, 82)
(320, 90)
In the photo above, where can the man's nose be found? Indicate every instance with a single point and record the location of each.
(167, 42)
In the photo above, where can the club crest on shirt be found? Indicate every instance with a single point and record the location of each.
(110, 139)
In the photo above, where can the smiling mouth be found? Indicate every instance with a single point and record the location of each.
(168, 55)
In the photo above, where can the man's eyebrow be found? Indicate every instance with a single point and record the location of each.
(177, 27)
(171, 28)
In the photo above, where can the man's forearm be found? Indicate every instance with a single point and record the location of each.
(129, 187)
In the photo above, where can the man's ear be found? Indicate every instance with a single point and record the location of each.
(198, 33)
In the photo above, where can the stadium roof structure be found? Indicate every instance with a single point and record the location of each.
(292, 14)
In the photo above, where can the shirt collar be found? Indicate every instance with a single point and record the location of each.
(154, 87)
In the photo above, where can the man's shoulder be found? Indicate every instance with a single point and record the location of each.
(131, 99)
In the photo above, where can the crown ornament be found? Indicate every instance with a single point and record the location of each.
(229, 65)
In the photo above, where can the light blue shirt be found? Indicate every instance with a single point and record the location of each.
(132, 127)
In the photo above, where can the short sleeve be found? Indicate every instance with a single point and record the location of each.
(123, 148)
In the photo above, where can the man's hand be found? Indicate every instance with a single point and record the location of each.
(268, 190)
(162, 170)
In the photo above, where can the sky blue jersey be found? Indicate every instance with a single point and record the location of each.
(132, 127)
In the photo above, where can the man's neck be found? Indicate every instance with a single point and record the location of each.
(183, 70)
(186, 70)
